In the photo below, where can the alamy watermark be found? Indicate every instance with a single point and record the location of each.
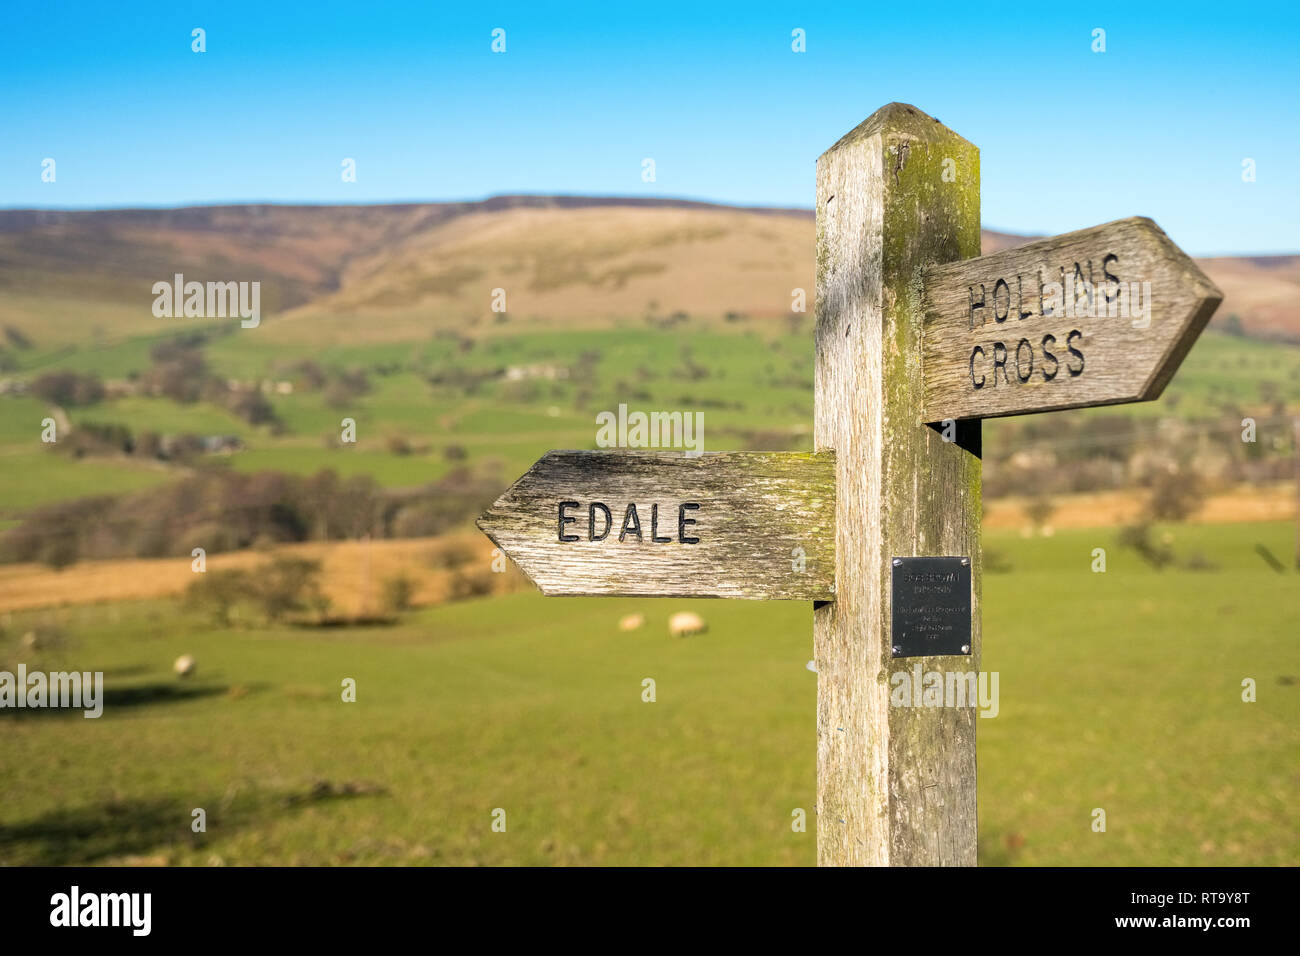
(636, 429)
(210, 300)
(914, 688)
(82, 689)
(1078, 298)
(75, 908)
(1074, 297)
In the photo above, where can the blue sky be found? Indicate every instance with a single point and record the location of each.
(1157, 125)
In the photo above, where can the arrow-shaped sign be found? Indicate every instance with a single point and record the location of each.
(666, 524)
(1095, 317)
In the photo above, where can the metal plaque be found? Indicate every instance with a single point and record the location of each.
(930, 601)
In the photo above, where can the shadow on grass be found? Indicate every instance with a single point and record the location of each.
(159, 693)
(119, 698)
(134, 828)
(326, 623)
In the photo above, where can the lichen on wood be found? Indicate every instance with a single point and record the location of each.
(896, 786)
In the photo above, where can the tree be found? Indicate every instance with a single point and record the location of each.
(398, 592)
(253, 407)
(279, 587)
(1138, 537)
(287, 584)
(68, 388)
(219, 592)
(1039, 508)
(1176, 494)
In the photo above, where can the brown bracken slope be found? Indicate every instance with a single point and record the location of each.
(68, 275)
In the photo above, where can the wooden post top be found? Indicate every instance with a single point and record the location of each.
(900, 119)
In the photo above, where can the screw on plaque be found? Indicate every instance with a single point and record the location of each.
(897, 561)
(965, 648)
(965, 561)
(897, 649)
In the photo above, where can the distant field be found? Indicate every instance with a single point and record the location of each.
(1118, 690)
(743, 382)
(753, 384)
(352, 573)
(26, 586)
(1113, 509)
(33, 475)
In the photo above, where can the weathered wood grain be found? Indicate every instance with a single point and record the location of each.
(1059, 323)
(762, 524)
(896, 786)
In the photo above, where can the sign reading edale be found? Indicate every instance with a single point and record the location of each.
(735, 524)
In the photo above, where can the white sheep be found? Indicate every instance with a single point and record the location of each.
(685, 623)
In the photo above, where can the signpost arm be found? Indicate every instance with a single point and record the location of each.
(896, 785)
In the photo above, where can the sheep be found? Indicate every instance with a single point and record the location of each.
(686, 623)
(184, 665)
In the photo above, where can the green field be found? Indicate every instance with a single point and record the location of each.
(755, 391)
(1119, 690)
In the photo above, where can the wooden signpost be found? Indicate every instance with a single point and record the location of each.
(917, 339)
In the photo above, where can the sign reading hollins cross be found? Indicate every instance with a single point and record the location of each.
(1094, 317)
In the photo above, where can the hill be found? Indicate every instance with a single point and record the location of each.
(85, 276)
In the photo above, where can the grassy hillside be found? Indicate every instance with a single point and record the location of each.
(354, 274)
(669, 305)
(1116, 691)
(754, 387)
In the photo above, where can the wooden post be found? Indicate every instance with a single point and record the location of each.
(896, 785)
